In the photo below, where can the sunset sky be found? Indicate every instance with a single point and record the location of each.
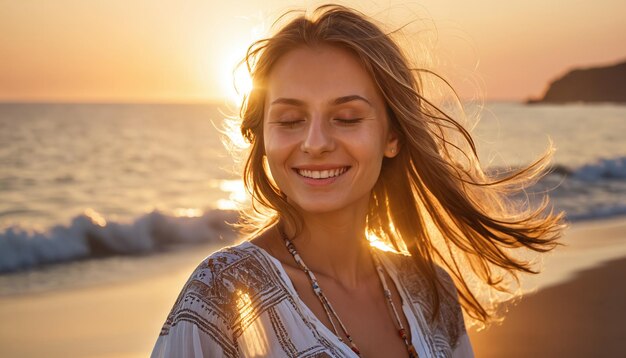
(140, 50)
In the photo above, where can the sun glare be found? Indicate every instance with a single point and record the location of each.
(234, 78)
(237, 195)
(188, 212)
(242, 82)
(376, 242)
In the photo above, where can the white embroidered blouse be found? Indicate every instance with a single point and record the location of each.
(239, 302)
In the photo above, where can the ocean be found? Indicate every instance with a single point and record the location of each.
(118, 187)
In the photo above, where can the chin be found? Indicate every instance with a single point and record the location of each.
(327, 206)
(321, 208)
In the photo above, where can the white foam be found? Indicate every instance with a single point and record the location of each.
(614, 168)
(89, 235)
(598, 213)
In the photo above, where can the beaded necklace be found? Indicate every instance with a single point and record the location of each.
(332, 315)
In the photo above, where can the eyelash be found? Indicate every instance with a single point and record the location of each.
(342, 121)
(290, 123)
(348, 120)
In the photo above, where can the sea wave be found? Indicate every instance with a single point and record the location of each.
(89, 235)
(611, 168)
(601, 212)
(600, 169)
(591, 191)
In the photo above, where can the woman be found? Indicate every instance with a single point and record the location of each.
(344, 146)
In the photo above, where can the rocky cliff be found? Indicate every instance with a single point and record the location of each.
(597, 84)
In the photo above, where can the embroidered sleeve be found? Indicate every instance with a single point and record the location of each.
(199, 323)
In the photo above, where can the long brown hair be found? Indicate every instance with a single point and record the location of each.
(433, 199)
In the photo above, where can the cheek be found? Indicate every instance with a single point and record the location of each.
(277, 151)
(370, 144)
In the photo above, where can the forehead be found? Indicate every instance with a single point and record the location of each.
(321, 73)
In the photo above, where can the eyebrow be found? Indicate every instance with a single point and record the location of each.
(336, 101)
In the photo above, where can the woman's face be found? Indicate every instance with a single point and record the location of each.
(325, 129)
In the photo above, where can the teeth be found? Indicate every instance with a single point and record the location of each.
(322, 174)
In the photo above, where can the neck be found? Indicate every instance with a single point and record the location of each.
(334, 246)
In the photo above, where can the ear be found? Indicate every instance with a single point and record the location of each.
(393, 145)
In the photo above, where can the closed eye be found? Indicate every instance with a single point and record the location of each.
(348, 120)
(289, 123)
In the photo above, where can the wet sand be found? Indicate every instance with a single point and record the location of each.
(585, 317)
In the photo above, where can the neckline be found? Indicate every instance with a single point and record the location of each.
(311, 317)
(328, 334)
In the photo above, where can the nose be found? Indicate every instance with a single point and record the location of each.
(318, 137)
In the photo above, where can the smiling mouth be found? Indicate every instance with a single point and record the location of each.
(322, 174)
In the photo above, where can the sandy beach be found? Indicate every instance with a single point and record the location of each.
(578, 310)
(580, 318)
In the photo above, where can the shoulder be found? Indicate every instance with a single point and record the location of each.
(212, 274)
(206, 318)
(200, 320)
(213, 288)
(428, 292)
(228, 260)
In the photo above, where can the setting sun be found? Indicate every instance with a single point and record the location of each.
(234, 78)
